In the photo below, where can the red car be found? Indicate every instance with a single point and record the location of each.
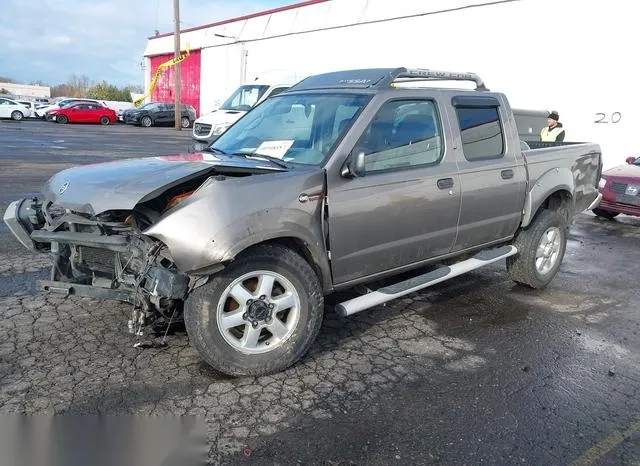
(84, 113)
(620, 188)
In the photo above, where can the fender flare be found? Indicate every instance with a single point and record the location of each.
(553, 181)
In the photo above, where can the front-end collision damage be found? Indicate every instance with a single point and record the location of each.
(102, 256)
(222, 218)
(155, 251)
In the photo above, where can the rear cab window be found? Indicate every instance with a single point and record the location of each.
(481, 129)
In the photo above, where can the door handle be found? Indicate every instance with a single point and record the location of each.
(445, 183)
(506, 174)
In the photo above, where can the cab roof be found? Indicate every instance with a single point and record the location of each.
(382, 78)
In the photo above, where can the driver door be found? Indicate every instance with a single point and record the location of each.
(404, 208)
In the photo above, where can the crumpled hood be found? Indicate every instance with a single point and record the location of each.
(121, 184)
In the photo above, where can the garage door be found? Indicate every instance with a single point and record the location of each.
(189, 77)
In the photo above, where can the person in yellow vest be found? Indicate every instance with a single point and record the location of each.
(554, 132)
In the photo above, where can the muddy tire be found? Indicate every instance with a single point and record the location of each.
(605, 213)
(259, 315)
(541, 248)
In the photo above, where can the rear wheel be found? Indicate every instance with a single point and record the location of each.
(605, 213)
(185, 122)
(541, 248)
(258, 316)
(62, 119)
(17, 115)
(104, 120)
(146, 121)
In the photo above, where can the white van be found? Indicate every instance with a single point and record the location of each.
(209, 127)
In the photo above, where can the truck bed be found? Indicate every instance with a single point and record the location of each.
(573, 167)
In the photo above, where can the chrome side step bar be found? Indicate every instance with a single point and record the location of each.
(441, 274)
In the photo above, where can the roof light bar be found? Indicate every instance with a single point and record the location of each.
(433, 75)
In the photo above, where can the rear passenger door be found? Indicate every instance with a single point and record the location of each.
(492, 172)
(93, 113)
(79, 113)
(405, 208)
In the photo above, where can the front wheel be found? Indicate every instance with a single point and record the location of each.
(146, 122)
(605, 213)
(17, 115)
(541, 249)
(104, 120)
(62, 119)
(185, 122)
(258, 316)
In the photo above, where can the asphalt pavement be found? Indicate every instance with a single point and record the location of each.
(472, 371)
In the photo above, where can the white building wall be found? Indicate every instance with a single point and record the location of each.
(220, 69)
(572, 56)
(26, 90)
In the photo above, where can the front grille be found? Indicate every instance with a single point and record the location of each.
(201, 129)
(618, 188)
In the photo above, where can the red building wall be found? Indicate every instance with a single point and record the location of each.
(189, 77)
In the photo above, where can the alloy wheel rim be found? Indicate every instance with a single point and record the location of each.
(258, 312)
(548, 251)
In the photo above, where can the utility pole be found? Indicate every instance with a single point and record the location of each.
(176, 51)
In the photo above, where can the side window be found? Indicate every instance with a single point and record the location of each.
(404, 134)
(81, 107)
(5, 102)
(481, 132)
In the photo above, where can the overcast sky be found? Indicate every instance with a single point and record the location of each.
(49, 40)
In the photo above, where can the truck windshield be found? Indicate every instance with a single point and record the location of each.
(300, 128)
(244, 98)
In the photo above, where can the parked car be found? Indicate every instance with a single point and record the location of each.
(83, 113)
(209, 127)
(10, 108)
(31, 105)
(620, 188)
(159, 114)
(42, 112)
(342, 180)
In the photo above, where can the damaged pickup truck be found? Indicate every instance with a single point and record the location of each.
(346, 181)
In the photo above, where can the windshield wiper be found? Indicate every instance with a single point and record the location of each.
(274, 160)
(214, 150)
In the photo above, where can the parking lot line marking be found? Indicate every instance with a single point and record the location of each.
(607, 444)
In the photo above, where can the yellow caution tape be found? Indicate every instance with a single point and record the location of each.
(161, 67)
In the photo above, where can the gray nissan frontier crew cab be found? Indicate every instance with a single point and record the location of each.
(359, 177)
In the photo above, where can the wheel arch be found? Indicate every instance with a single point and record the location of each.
(302, 248)
(552, 190)
(560, 200)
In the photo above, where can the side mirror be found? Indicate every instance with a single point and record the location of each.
(354, 166)
(631, 160)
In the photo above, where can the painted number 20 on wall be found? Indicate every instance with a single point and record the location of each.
(615, 117)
